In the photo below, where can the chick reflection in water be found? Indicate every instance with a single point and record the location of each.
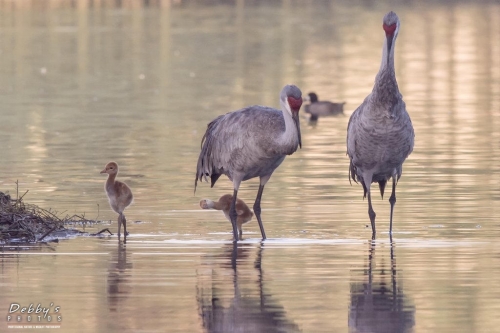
(119, 287)
(378, 304)
(233, 298)
(244, 214)
(119, 195)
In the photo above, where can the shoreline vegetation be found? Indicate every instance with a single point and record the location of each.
(23, 223)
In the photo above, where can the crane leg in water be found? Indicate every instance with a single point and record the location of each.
(392, 200)
(257, 210)
(234, 215)
(256, 205)
(371, 212)
(366, 181)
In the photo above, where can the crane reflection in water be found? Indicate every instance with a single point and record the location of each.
(378, 303)
(229, 304)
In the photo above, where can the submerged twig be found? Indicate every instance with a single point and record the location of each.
(47, 233)
(100, 232)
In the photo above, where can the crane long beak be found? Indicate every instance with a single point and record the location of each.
(390, 40)
(295, 117)
(103, 171)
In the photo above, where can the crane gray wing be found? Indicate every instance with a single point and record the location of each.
(405, 144)
(352, 127)
(226, 140)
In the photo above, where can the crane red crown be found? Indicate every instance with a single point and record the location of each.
(295, 103)
(389, 29)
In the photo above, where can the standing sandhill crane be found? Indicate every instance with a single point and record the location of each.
(248, 143)
(224, 203)
(380, 134)
(119, 195)
(318, 108)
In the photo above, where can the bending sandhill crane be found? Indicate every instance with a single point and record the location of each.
(380, 134)
(248, 143)
(119, 195)
(224, 203)
(318, 108)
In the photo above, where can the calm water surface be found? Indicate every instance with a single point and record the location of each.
(86, 82)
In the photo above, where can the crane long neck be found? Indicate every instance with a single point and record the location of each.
(386, 85)
(290, 137)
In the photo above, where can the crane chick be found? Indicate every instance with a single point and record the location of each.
(244, 213)
(119, 195)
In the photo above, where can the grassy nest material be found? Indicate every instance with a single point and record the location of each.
(25, 223)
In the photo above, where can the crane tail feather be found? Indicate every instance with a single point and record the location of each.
(205, 167)
(381, 186)
(213, 179)
(352, 173)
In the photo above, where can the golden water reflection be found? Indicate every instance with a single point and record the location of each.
(89, 81)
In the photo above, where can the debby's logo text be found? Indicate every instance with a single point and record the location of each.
(34, 313)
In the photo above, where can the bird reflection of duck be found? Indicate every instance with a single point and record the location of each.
(377, 305)
(224, 203)
(318, 108)
(223, 308)
(119, 195)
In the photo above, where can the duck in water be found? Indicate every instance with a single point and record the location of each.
(119, 195)
(318, 108)
(244, 214)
